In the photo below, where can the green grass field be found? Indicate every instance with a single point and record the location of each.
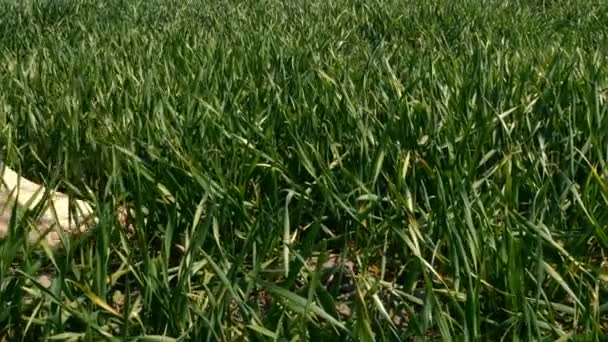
(311, 170)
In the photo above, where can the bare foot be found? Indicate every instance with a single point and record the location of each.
(58, 215)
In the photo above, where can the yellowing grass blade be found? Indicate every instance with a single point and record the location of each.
(553, 273)
(97, 300)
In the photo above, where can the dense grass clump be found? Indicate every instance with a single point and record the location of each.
(297, 170)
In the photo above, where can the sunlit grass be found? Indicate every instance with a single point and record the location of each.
(321, 170)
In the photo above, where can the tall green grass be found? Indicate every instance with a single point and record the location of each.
(342, 169)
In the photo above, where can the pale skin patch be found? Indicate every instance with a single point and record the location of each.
(59, 214)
